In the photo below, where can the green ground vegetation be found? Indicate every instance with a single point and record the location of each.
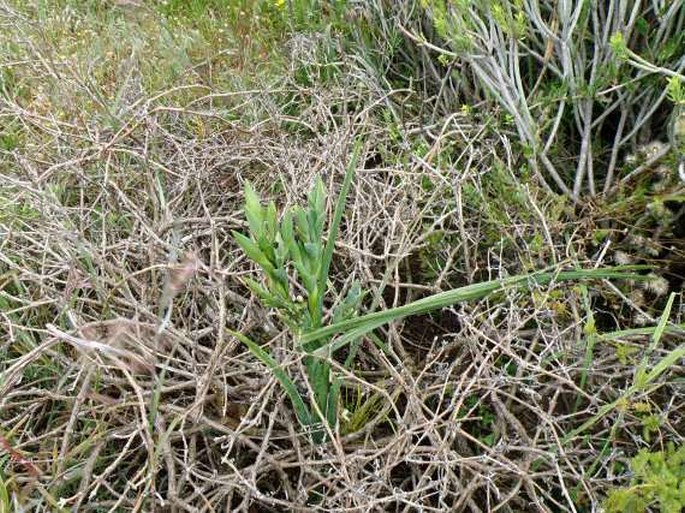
(327, 255)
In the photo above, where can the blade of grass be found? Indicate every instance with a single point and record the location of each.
(642, 379)
(673, 329)
(253, 211)
(337, 218)
(301, 409)
(590, 331)
(641, 372)
(665, 363)
(318, 371)
(359, 326)
(4, 495)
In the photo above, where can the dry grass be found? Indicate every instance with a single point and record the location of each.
(121, 390)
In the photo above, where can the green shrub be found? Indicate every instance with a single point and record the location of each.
(585, 83)
(658, 480)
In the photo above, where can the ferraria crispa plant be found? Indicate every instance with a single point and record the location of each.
(293, 257)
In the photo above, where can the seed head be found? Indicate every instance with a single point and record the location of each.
(657, 285)
(622, 258)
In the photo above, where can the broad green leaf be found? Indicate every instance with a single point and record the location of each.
(282, 250)
(325, 393)
(281, 276)
(313, 224)
(317, 209)
(270, 223)
(302, 225)
(301, 270)
(257, 289)
(288, 236)
(253, 252)
(318, 371)
(267, 248)
(313, 251)
(317, 197)
(253, 211)
(309, 282)
(313, 303)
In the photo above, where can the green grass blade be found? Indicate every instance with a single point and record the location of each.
(317, 209)
(361, 325)
(667, 361)
(673, 329)
(662, 366)
(641, 373)
(590, 331)
(333, 395)
(642, 378)
(4, 496)
(335, 222)
(301, 409)
(373, 320)
(318, 372)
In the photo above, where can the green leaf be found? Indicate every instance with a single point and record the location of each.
(642, 378)
(257, 289)
(302, 225)
(349, 306)
(656, 482)
(668, 361)
(356, 327)
(253, 252)
(264, 295)
(301, 270)
(313, 305)
(253, 211)
(317, 208)
(282, 250)
(618, 45)
(641, 374)
(271, 223)
(313, 252)
(301, 409)
(333, 399)
(281, 277)
(267, 249)
(288, 236)
(337, 218)
(4, 495)
(590, 330)
(309, 281)
(317, 197)
(318, 372)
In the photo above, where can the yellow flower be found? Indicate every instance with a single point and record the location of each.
(279, 3)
